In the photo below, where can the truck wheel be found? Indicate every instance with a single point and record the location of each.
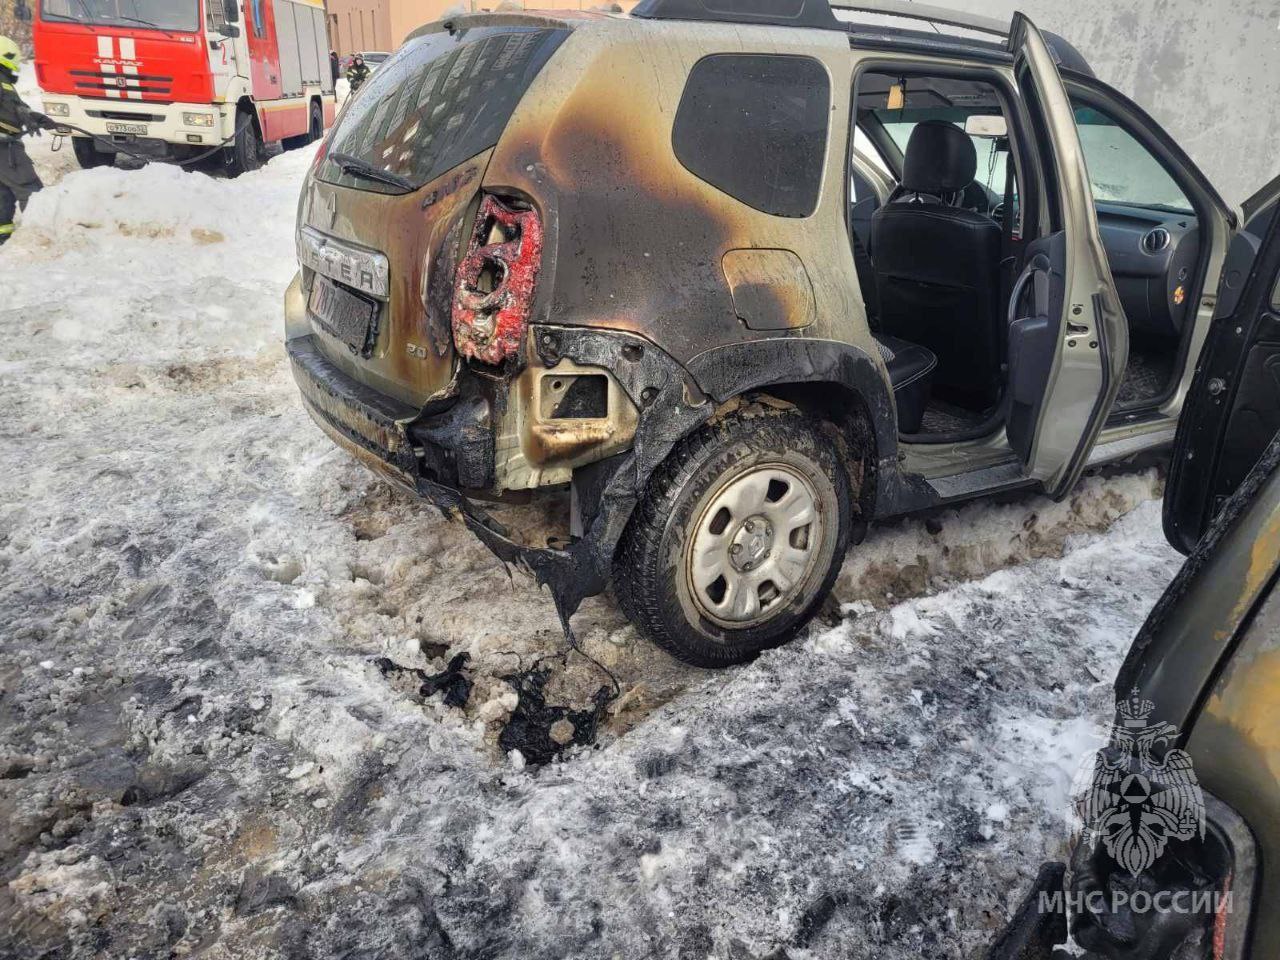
(245, 153)
(738, 538)
(88, 156)
(317, 123)
(315, 130)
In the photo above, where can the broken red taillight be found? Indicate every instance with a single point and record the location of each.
(494, 283)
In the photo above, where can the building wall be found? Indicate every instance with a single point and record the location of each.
(1207, 70)
(361, 25)
(402, 17)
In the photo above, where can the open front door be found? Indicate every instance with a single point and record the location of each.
(1068, 337)
(1232, 410)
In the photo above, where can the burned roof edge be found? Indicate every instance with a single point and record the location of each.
(780, 13)
(556, 20)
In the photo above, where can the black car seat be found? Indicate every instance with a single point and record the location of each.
(937, 266)
(910, 366)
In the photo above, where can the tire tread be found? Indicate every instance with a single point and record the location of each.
(638, 564)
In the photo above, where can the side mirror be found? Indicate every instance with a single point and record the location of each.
(231, 12)
(230, 31)
(21, 11)
(983, 125)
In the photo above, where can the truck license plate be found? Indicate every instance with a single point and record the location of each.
(344, 315)
(137, 129)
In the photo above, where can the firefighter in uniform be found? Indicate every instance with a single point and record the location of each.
(357, 73)
(18, 179)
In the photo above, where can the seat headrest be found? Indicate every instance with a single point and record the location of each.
(940, 159)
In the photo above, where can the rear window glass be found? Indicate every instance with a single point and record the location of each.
(755, 126)
(440, 100)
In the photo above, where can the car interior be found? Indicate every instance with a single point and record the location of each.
(939, 254)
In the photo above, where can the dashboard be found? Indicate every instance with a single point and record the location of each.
(1153, 256)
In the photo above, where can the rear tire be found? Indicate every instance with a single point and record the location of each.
(245, 152)
(88, 156)
(315, 130)
(738, 538)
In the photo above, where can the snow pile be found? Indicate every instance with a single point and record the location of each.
(165, 202)
(200, 754)
(905, 559)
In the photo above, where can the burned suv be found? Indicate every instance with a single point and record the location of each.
(743, 278)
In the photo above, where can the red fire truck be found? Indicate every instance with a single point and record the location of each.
(175, 78)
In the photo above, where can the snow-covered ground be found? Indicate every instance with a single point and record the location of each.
(199, 757)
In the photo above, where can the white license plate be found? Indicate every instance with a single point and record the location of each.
(138, 129)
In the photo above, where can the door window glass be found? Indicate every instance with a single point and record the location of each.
(1121, 169)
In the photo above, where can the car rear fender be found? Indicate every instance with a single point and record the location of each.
(781, 364)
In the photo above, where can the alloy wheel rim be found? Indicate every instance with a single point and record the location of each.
(754, 546)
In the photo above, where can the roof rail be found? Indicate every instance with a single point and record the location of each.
(927, 12)
(778, 13)
(811, 13)
(820, 14)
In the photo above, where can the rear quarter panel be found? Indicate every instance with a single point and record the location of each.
(636, 242)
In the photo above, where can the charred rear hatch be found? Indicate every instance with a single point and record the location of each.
(388, 209)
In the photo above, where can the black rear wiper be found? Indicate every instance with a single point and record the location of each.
(363, 168)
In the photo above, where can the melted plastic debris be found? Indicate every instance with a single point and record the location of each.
(450, 681)
(541, 731)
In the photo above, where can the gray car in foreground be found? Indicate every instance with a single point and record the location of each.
(1179, 850)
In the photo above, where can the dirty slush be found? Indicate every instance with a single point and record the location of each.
(254, 702)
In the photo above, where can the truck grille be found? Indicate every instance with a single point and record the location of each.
(124, 85)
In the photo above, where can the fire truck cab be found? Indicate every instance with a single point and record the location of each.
(178, 78)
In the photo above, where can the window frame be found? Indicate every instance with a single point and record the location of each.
(1028, 176)
(1208, 206)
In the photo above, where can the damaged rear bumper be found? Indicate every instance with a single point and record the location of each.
(376, 429)
(435, 454)
(368, 423)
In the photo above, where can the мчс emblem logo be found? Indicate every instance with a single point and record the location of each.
(1143, 791)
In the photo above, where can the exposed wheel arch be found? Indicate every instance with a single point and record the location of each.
(676, 399)
(834, 380)
(246, 105)
(846, 411)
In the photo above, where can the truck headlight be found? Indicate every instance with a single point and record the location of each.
(198, 119)
(55, 109)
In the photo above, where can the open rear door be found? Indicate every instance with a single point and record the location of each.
(1069, 340)
(1233, 408)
